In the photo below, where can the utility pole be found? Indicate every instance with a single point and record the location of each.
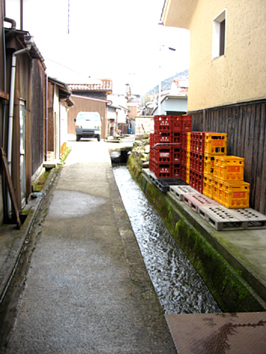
(68, 17)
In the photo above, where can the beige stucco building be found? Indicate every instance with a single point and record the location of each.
(240, 73)
(227, 77)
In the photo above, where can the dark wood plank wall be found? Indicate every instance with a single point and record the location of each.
(37, 115)
(245, 125)
(50, 124)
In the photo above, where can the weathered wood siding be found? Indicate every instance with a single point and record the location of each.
(37, 115)
(245, 125)
(50, 124)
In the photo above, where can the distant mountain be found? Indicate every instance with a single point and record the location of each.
(166, 83)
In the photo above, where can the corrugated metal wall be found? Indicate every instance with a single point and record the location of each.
(245, 125)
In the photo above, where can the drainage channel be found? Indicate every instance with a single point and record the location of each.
(179, 287)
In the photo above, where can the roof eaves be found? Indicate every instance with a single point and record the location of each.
(34, 51)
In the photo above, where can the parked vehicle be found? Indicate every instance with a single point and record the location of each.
(88, 125)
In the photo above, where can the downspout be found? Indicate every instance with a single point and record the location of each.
(28, 42)
(46, 117)
(13, 28)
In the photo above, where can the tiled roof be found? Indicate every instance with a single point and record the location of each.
(100, 85)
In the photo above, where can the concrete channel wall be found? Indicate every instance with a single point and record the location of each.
(233, 286)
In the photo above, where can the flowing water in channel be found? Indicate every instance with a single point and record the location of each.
(179, 287)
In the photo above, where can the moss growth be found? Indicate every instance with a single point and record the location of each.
(41, 181)
(225, 283)
(65, 154)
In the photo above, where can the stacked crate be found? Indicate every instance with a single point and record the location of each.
(166, 145)
(197, 146)
(185, 159)
(215, 146)
(198, 158)
(229, 188)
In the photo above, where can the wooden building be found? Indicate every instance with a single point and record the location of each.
(87, 104)
(28, 134)
(95, 100)
(23, 117)
(227, 77)
(58, 103)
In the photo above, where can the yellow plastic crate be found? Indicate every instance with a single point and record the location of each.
(209, 160)
(188, 160)
(215, 143)
(229, 168)
(207, 185)
(216, 189)
(188, 141)
(234, 194)
(187, 176)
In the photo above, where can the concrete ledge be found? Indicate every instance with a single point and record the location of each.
(220, 257)
(13, 240)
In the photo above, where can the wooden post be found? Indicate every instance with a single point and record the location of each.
(10, 187)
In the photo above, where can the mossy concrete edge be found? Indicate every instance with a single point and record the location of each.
(224, 280)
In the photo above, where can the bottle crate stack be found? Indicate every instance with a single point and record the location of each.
(196, 173)
(215, 145)
(229, 188)
(223, 174)
(185, 160)
(166, 145)
(198, 158)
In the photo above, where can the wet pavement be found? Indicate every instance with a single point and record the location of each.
(230, 333)
(87, 289)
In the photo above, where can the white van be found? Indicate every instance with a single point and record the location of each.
(88, 125)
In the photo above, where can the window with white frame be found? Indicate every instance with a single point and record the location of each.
(218, 40)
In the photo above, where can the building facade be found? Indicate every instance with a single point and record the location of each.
(227, 77)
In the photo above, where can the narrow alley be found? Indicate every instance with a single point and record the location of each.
(87, 289)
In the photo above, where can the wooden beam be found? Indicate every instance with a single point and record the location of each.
(10, 187)
(4, 95)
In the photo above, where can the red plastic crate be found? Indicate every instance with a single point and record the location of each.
(163, 170)
(152, 153)
(176, 170)
(151, 165)
(162, 138)
(163, 154)
(197, 142)
(151, 139)
(184, 157)
(176, 153)
(187, 123)
(197, 162)
(176, 138)
(184, 140)
(162, 123)
(196, 180)
(183, 173)
(177, 124)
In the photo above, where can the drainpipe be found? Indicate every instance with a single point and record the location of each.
(13, 28)
(28, 41)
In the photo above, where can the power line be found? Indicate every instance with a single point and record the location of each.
(66, 67)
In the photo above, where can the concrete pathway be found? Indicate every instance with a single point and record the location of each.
(87, 289)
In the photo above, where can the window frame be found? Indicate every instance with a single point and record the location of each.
(219, 35)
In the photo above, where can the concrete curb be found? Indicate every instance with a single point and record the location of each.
(10, 261)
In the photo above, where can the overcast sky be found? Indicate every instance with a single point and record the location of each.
(114, 39)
